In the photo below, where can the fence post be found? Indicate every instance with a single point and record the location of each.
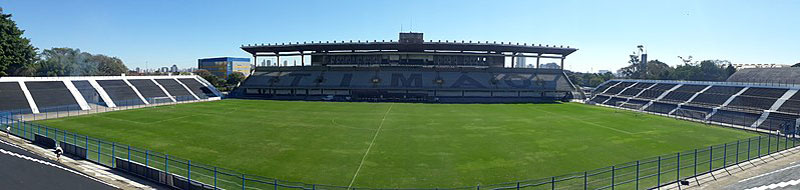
(189, 172)
(749, 141)
(710, 158)
(146, 157)
(215, 178)
(759, 146)
(552, 183)
(243, 182)
(769, 143)
(737, 151)
(585, 180)
(695, 162)
(637, 174)
(129, 157)
(276, 184)
(517, 185)
(166, 163)
(87, 147)
(98, 152)
(612, 177)
(113, 155)
(678, 171)
(658, 182)
(725, 156)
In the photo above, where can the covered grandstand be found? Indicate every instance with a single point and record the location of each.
(784, 75)
(749, 105)
(409, 69)
(24, 95)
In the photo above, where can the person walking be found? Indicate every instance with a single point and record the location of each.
(58, 152)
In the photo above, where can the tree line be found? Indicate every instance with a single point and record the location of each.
(706, 70)
(19, 58)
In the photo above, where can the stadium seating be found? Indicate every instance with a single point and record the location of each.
(683, 93)
(120, 92)
(716, 95)
(88, 92)
(438, 84)
(768, 107)
(13, 97)
(21, 95)
(52, 96)
(200, 90)
(655, 91)
(150, 91)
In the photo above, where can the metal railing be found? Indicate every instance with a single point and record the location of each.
(642, 174)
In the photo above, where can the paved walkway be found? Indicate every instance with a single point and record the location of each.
(778, 171)
(77, 174)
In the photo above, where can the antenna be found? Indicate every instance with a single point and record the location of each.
(412, 25)
(401, 28)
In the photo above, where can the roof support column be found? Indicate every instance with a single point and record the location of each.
(513, 57)
(302, 58)
(255, 60)
(562, 62)
(539, 55)
(278, 55)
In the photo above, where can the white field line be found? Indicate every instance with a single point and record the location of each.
(50, 164)
(588, 122)
(370, 146)
(776, 171)
(778, 185)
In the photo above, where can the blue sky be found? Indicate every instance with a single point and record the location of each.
(147, 33)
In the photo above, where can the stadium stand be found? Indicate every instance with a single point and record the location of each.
(176, 89)
(120, 92)
(762, 106)
(22, 95)
(410, 69)
(406, 84)
(150, 91)
(52, 96)
(715, 96)
(88, 92)
(13, 97)
(199, 89)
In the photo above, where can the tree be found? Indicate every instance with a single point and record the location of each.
(65, 62)
(730, 70)
(17, 55)
(108, 66)
(634, 69)
(657, 70)
(235, 78)
(213, 79)
(796, 65)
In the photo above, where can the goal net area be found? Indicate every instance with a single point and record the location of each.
(623, 104)
(695, 114)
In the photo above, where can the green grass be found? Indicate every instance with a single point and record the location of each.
(415, 145)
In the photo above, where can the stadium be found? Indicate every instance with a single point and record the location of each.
(406, 114)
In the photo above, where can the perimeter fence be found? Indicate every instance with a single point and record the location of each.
(184, 174)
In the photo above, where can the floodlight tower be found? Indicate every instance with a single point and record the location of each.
(642, 57)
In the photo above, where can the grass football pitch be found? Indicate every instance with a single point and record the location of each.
(398, 145)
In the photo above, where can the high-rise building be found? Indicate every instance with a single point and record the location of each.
(224, 66)
(520, 62)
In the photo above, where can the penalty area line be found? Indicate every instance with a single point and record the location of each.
(370, 146)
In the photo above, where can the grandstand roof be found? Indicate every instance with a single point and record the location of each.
(399, 45)
(787, 75)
